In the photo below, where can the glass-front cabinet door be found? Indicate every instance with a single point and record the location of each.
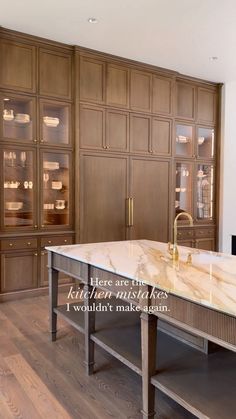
(184, 140)
(55, 123)
(205, 142)
(204, 192)
(183, 188)
(19, 186)
(18, 118)
(55, 181)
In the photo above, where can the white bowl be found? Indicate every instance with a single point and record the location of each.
(13, 206)
(51, 165)
(56, 185)
(201, 140)
(22, 118)
(50, 121)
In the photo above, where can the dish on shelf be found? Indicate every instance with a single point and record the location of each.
(11, 185)
(48, 206)
(51, 122)
(56, 185)
(177, 204)
(182, 139)
(13, 206)
(22, 118)
(182, 189)
(177, 189)
(51, 165)
(200, 204)
(60, 204)
(201, 140)
(8, 114)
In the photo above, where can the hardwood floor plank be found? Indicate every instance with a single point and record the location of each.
(44, 402)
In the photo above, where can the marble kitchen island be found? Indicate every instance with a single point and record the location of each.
(201, 300)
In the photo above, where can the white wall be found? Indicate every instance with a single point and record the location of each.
(228, 167)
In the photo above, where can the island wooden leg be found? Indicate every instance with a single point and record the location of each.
(149, 335)
(53, 298)
(89, 327)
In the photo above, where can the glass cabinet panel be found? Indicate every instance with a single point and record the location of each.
(18, 186)
(55, 123)
(55, 180)
(184, 140)
(205, 142)
(205, 191)
(183, 188)
(17, 118)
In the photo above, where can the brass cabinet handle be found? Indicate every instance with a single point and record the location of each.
(29, 244)
(42, 253)
(65, 241)
(130, 212)
(10, 244)
(49, 241)
(35, 141)
(151, 151)
(35, 254)
(35, 226)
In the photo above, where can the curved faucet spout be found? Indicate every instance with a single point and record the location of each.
(174, 251)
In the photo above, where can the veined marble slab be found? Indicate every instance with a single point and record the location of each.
(209, 281)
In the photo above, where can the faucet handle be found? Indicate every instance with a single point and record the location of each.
(170, 248)
(189, 259)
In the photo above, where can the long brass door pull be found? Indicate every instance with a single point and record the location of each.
(130, 212)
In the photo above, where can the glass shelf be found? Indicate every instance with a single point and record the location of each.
(55, 123)
(183, 188)
(183, 140)
(55, 189)
(18, 187)
(206, 142)
(17, 118)
(205, 191)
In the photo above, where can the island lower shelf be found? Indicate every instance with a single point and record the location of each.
(202, 384)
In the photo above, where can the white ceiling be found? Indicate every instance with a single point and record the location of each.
(176, 34)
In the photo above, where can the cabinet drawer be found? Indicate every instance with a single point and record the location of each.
(18, 244)
(56, 241)
(185, 234)
(205, 232)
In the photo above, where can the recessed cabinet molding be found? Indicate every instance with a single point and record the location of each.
(140, 133)
(92, 80)
(162, 95)
(140, 90)
(117, 130)
(117, 86)
(18, 66)
(206, 109)
(55, 69)
(92, 127)
(185, 100)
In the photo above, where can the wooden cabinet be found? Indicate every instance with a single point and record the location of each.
(185, 100)
(55, 73)
(140, 133)
(117, 130)
(92, 80)
(55, 123)
(18, 66)
(117, 86)
(206, 244)
(18, 271)
(162, 88)
(92, 127)
(150, 192)
(140, 91)
(103, 196)
(206, 106)
(161, 136)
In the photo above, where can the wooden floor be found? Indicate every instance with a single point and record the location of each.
(41, 379)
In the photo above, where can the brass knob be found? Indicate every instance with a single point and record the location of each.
(151, 151)
(104, 146)
(107, 147)
(65, 241)
(42, 253)
(35, 254)
(35, 141)
(35, 226)
(49, 241)
(29, 243)
(10, 244)
(42, 226)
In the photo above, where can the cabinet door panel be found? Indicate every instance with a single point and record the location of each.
(117, 86)
(161, 136)
(103, 195)
(18, 271)
(140, 132)
(92, 127)
(162, 95)
(140, 91)
(92, 80)
(206, 106)
(185, 105)
(117, 130)
(205, 244)
(55, 74)
(18, 69)
(150, 193)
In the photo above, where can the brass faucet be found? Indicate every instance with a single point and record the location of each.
(173, 250)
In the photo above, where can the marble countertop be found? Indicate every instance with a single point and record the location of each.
(209, 281)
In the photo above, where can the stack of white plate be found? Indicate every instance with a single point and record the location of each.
(50, 121)
(22, 118)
